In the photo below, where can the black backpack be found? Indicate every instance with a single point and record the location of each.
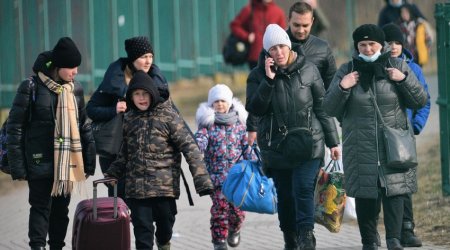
(4, 166)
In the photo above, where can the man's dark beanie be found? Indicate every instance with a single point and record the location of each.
(142, 80)
(368, 32)
(136, 47)
(393, 33)
(65, 54)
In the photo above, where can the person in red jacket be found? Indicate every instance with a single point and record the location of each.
(251, 22)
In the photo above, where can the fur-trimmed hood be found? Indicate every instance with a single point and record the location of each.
(205, 115)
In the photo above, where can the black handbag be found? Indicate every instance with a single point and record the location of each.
(108, 136)
(235, 51)
(297, 143)
(400, 144)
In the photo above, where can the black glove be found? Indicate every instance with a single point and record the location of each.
(205, 192)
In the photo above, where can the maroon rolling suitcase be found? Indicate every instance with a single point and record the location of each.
(101, 223)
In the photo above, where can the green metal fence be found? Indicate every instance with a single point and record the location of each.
(187, 35)
(442, 15)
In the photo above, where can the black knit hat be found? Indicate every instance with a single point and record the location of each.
(142, 80)
(393, 33)
(368, 32)
(65, 54)
(136, 47)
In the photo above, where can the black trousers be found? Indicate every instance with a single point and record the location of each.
(145, 212)
(408, 212)
(367, 211)
(104, 165)
(48, 215)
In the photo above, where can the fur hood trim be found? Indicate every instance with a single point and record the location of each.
(205, 115)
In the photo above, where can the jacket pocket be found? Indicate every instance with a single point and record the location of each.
(39, 152)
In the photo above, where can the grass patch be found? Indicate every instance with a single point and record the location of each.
(431, 208)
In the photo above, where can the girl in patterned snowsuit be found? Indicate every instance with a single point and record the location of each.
(222, 137)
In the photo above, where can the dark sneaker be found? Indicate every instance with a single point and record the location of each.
(163, 247)
(373, 246)
(234, 238)
(393, 244)
(306, 240)
(220, 245)
(290, 241)
(410, 240)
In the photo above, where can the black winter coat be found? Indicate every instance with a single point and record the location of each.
(318, 51)
(298, 91)
(31, 136)
(102, 105)
(364, 154)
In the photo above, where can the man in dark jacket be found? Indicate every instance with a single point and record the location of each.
(316, 50)
(48, 116)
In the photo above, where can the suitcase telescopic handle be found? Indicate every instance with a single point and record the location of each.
(94, 200)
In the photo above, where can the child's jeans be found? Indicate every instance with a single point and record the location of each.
(224, 217)
(145, 212)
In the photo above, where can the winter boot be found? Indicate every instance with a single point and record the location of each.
(372, 246)
(290, 240)
(409, 239)
(306, 240)
(234, 238)
(163, 247)
(393, 244)
(220, 245)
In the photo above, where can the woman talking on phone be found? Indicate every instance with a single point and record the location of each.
(286, 92)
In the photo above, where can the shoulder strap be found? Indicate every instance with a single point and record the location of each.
(350, 67)
(277, 113)
(186, 185)
(374, 101)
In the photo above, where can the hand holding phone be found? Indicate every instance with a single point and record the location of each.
(270, 66)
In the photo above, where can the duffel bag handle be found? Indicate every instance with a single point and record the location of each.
(255, 149)
(94, 199)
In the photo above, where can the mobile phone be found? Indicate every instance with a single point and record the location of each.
(273, 67)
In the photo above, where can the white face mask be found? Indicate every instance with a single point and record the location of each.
(371, 58)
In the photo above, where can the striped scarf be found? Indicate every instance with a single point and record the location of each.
(68, 158)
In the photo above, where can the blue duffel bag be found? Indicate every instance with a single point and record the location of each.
(249, 189)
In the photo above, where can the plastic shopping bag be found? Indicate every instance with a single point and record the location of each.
(350, 209)
(329, 197)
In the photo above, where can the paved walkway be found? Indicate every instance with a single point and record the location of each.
(191, 231)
